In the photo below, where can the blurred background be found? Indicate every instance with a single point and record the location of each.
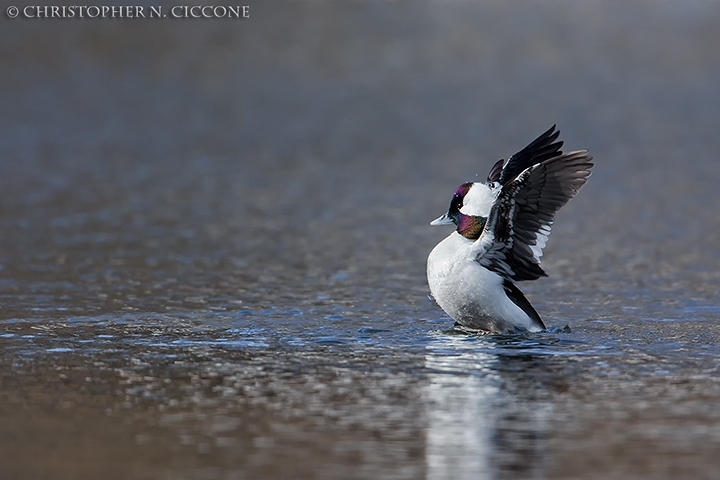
(214, 233)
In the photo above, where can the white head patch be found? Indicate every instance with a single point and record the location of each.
(478, 200)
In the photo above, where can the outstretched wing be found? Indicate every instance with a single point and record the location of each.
(521, 218)
(539, 150)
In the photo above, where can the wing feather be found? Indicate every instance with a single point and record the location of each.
(521, 218)
(539, 150)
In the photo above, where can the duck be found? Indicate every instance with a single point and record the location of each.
(501, 229)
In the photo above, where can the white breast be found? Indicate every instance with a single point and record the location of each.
(460, 284)
(456, 279)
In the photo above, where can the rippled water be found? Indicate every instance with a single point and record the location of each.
(214, 238)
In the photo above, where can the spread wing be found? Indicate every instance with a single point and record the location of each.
(521, 218)
(539, 150)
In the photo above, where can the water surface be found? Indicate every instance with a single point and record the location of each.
(214, 238)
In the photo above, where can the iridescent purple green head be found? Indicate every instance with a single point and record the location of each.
(457, 202)
(469, 226)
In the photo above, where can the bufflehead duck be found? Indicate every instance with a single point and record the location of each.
(502, 227)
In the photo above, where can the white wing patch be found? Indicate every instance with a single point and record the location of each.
(542, 236)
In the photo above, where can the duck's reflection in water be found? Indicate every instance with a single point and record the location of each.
(488, 411)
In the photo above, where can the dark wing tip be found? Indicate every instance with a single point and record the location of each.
(541, 149)
(495, 171)
(517, 297)
(579, 165)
